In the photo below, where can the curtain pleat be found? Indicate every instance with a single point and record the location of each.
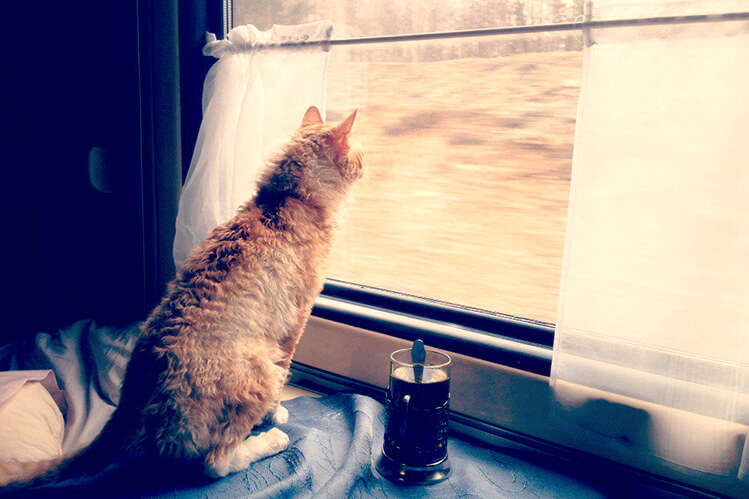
(254, 97)
(654, 301)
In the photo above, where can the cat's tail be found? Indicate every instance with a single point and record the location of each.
(102, 452)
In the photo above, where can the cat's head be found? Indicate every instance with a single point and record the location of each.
(328, 162)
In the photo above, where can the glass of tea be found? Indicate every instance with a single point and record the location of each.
(418, 402)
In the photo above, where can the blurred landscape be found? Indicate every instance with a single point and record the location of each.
(468, 148)
(465, 192)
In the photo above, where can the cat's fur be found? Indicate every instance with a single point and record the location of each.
(213, 357)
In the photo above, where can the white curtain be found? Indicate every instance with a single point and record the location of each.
(253, 99)
(654, 303)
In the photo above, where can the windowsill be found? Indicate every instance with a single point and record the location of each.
(290, 392)
(491, 402)
(507, 341)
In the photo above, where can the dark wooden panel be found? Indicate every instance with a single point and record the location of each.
(68, 250)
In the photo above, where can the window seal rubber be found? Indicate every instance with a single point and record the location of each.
(501, 339)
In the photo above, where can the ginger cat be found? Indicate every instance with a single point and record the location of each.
(213, 357)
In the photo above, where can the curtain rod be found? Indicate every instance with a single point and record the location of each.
(513, 30)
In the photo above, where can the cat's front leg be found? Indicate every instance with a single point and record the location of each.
(224, 460)
(281, 415)
(278, 415)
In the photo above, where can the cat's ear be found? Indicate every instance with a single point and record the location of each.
(312, 117)
(344, 127)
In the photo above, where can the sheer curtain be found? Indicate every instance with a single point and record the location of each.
(654, 303)
(253, 99)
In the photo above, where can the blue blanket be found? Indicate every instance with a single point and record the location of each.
(335, 441)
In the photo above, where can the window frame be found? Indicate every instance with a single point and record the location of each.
(501, 339)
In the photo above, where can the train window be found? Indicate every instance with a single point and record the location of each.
(468, 145)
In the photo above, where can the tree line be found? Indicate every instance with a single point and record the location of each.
(357, 18)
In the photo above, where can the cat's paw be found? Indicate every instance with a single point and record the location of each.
(281, 416)
(276, 441)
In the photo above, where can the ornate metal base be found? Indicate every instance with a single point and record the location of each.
(413, 475)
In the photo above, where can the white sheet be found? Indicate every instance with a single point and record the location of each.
(89, 361)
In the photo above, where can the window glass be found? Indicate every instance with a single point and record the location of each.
(468, 149)
(355, 18)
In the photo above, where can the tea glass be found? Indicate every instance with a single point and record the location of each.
(418, 403)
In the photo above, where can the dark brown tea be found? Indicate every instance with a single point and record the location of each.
(416, 433)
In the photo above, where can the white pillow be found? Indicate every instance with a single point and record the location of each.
(31, 427)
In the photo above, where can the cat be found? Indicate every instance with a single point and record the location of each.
(212, 358)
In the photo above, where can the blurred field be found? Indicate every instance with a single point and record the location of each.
(467, 177)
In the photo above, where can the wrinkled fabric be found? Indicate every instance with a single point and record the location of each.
(653, 315)
(89, 363)
(334, 441)
(254, 98)
(334, 444)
